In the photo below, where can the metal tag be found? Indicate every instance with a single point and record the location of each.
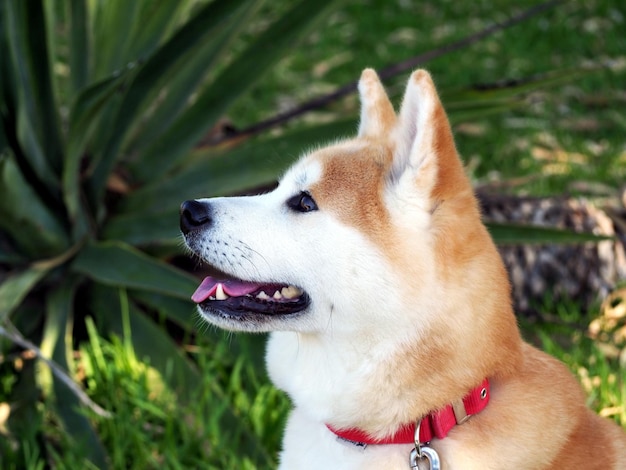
(424, 454)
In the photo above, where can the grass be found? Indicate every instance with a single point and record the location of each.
(149, 427)
(561, 136)
(564, 133)
(152, 430)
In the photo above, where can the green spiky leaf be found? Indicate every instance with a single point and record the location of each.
(515, 234)
(181, 49)
(238, 77)
(120, 265)
(16, 287)
(33, 226)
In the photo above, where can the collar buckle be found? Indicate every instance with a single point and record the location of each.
(460, 412)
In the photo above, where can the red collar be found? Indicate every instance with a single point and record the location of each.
(436, 424)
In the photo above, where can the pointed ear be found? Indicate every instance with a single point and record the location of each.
(425, 152)
(378, 117)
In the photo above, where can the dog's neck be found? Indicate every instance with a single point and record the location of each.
(436, 424)
(334, 385)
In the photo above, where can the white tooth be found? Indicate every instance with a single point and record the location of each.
(277, 295)
(290, 292)
(219, 293)
(262, 295)
(211, 297)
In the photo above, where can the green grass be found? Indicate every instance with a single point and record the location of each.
(150, 429)
(563, 135)
(567, 133)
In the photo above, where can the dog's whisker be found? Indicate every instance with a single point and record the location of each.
(248, 257)
(330, 318)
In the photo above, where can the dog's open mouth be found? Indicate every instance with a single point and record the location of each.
(236, 297)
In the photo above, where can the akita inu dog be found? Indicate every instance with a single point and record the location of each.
(389, 307)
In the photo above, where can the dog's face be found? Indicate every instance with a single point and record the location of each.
(293, 257)
(357, 237)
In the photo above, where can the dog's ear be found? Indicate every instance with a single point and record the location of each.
(378, 118)
(425, 157)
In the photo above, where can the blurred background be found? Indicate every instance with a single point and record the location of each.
(112, 113)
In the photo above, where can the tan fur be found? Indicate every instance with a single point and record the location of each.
(536, 401)
(352, 188)
(378, 115)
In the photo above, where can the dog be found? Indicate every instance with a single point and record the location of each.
(389, 308)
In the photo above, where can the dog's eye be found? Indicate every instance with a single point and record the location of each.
(302, 202)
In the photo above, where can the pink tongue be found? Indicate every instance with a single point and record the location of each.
(233, 288)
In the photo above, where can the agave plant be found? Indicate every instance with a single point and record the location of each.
(102, 105)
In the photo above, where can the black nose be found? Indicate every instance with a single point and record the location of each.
(194, 214)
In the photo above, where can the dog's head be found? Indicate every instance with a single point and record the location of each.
(366, 234)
